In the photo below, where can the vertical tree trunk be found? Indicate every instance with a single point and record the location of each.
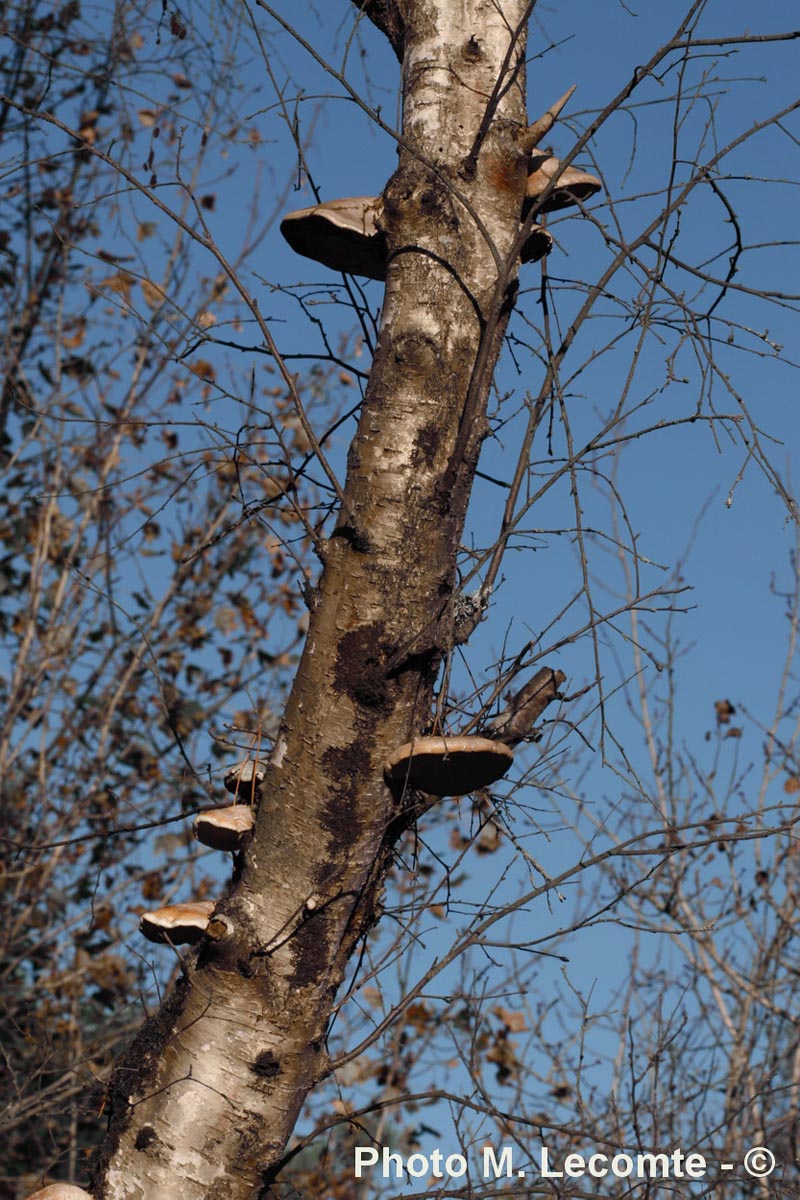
(204, 1102)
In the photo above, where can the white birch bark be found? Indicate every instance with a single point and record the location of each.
(205, 1101)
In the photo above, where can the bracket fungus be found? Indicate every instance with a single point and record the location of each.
(224, 828)
(345, 234)
(448, 766)
(341, 234)
(572, 186)
(181, 924)
(244, 780)
(537, 244)
(61, 1191)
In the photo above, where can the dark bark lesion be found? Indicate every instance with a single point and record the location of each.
(265, 1065)
(389, 17)
(133, 1075)
(146, 1138)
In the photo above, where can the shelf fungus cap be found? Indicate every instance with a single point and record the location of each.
(61, 1191)
(245, 779)
(448, 766)
(538, 243)
(341, 234)
(181, 924)
(224, 828)
(572, 185)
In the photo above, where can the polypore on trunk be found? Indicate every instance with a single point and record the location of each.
(60, 1191)
(181, 924)
(538, 243)
(340, 234)
(224, 828)
(572, 186)
(244, 780)
(448, 766)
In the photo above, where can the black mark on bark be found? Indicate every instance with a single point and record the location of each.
(265, 1065)
(145, 1138)
(360, 669)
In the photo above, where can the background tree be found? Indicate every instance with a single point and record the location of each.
(130, 299)
(134, 627)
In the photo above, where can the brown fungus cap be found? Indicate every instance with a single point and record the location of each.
(181, 924)
(538, 243)
(224, 828)
(340, 234)
(448, 766)
(244, 780)
(61, 1191)
(572, 187)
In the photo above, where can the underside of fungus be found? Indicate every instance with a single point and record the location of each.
(181, 924)
(224, 828)
(538, 243)
(572, 185)
(244, 780)
(448, 766)
(341, 234)
(346, 234)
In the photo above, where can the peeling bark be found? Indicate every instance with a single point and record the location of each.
(206, 1099)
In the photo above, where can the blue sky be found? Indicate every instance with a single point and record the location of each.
(704, 515)
(676, 478)
(694, 520)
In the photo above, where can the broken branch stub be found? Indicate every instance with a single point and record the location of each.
(524, 708)
(535, 132)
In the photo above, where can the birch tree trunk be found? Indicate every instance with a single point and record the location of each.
(205, 1100)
